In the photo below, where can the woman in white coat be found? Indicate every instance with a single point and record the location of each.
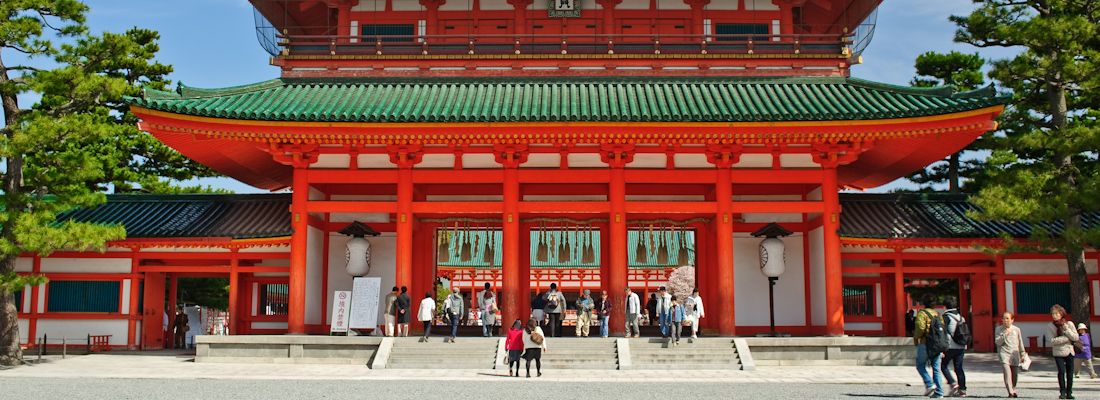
(426, 314)
(534, 343)
(488, 313)
(693, 311)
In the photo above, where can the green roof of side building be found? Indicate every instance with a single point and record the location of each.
(626, 99)
(267, 215)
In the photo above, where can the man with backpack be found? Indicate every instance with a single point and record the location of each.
(930, 335)
(960, 339)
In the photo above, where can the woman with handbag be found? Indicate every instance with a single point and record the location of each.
(1063, 337)
(534, 343)
(488, 313)
(514, 345)
(1010, 350)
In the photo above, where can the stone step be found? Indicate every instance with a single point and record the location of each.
(723, 367)
(612, 359)
(683, 357)
(556, 365)
(437, 366)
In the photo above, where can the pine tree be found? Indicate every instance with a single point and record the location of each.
(72, 143)
(964, 72)
(1046, 174)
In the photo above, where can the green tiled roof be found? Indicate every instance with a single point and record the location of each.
(192, 216)
(613, 99)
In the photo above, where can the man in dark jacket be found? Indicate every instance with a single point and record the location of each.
(402, 305)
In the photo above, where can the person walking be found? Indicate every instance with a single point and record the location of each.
(402, 304)
(604, 312)
(664, 301)
(1084, 357)
(426, 314)
(926, 322)
(651, 310)
(632, 308)
(453, 305)
(955, 324)
(534, 343)
(675, 320)
(1011, 352)
(555, 307)
(488, 312)
(584, 313)
(693, 311)
(391, 310)
(514, 344)
(1063, 334)
(537, 313)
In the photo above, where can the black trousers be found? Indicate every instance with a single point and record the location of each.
(954, 356)
(1065, 374)
(555, 324)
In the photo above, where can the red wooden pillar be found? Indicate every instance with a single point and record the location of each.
(511, 306)
(617, 157)
(234, 290)
(834, 285)
(608, 25)
(723, 158)
(343, 22)
(296, 306)
(982, 311)
(696, 15)
(405, 157)
(524, 272)
(520, 8)
(900, 305)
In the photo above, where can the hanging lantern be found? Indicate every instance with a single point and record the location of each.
(772, 250)
(357, 252)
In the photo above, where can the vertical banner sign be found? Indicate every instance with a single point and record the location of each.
(341, 307)
(364, 303)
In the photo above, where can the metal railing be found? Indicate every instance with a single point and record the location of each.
(563, 44)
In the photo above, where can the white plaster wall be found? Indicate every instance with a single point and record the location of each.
(126, 296)
(24, 264)
(752, 286)
(862, 326)
(314, 257)
(24, 328)
(26, 306)
(269, 325)
(1043, 266)
(85, 265)
(383, 261)
(817, 276)
(80, 329)
(42, 298)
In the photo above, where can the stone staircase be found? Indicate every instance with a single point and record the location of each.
(703, 353)
(465, 353)
(580, 353)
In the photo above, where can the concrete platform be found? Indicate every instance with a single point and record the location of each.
(826, 351)
(286, 349)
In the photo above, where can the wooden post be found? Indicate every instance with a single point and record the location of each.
(834, 285)
(723, 158)
(296, 305)
(617, 157)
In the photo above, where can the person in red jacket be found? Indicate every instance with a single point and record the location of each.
(514, 345)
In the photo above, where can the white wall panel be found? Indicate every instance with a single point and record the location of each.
(86, 265)
(752, 286)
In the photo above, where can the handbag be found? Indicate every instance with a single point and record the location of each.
(1025, 362)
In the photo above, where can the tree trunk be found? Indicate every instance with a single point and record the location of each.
(953, 173)
(10, 352)
(1078, 286)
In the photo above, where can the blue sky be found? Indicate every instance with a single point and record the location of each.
(212, 43)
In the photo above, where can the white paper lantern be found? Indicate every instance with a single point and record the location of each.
(358, 256)
(773, 257)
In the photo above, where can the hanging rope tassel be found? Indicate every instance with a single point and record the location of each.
(564, 251)
(641, 256)
(540, 254)
(464, 254)
(490, 248)
(683, 258)
(588, 256)
(443, 248)
(662, 248)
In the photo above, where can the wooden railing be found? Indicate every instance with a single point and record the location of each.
(564, 44)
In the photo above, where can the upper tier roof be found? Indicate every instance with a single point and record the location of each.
(567, 100)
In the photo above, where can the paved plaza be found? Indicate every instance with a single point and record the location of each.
(170, 375)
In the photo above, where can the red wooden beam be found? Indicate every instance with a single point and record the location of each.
(320, 206)
(793, 207)
(671, 207)
(564, 207)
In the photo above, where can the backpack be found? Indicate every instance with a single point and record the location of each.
(936, 340)
(536, 338)
(961, 335)
(552, 302)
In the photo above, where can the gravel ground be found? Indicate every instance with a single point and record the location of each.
(518, 388)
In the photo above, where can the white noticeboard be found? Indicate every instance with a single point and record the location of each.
(364, 303)
(341, 310)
